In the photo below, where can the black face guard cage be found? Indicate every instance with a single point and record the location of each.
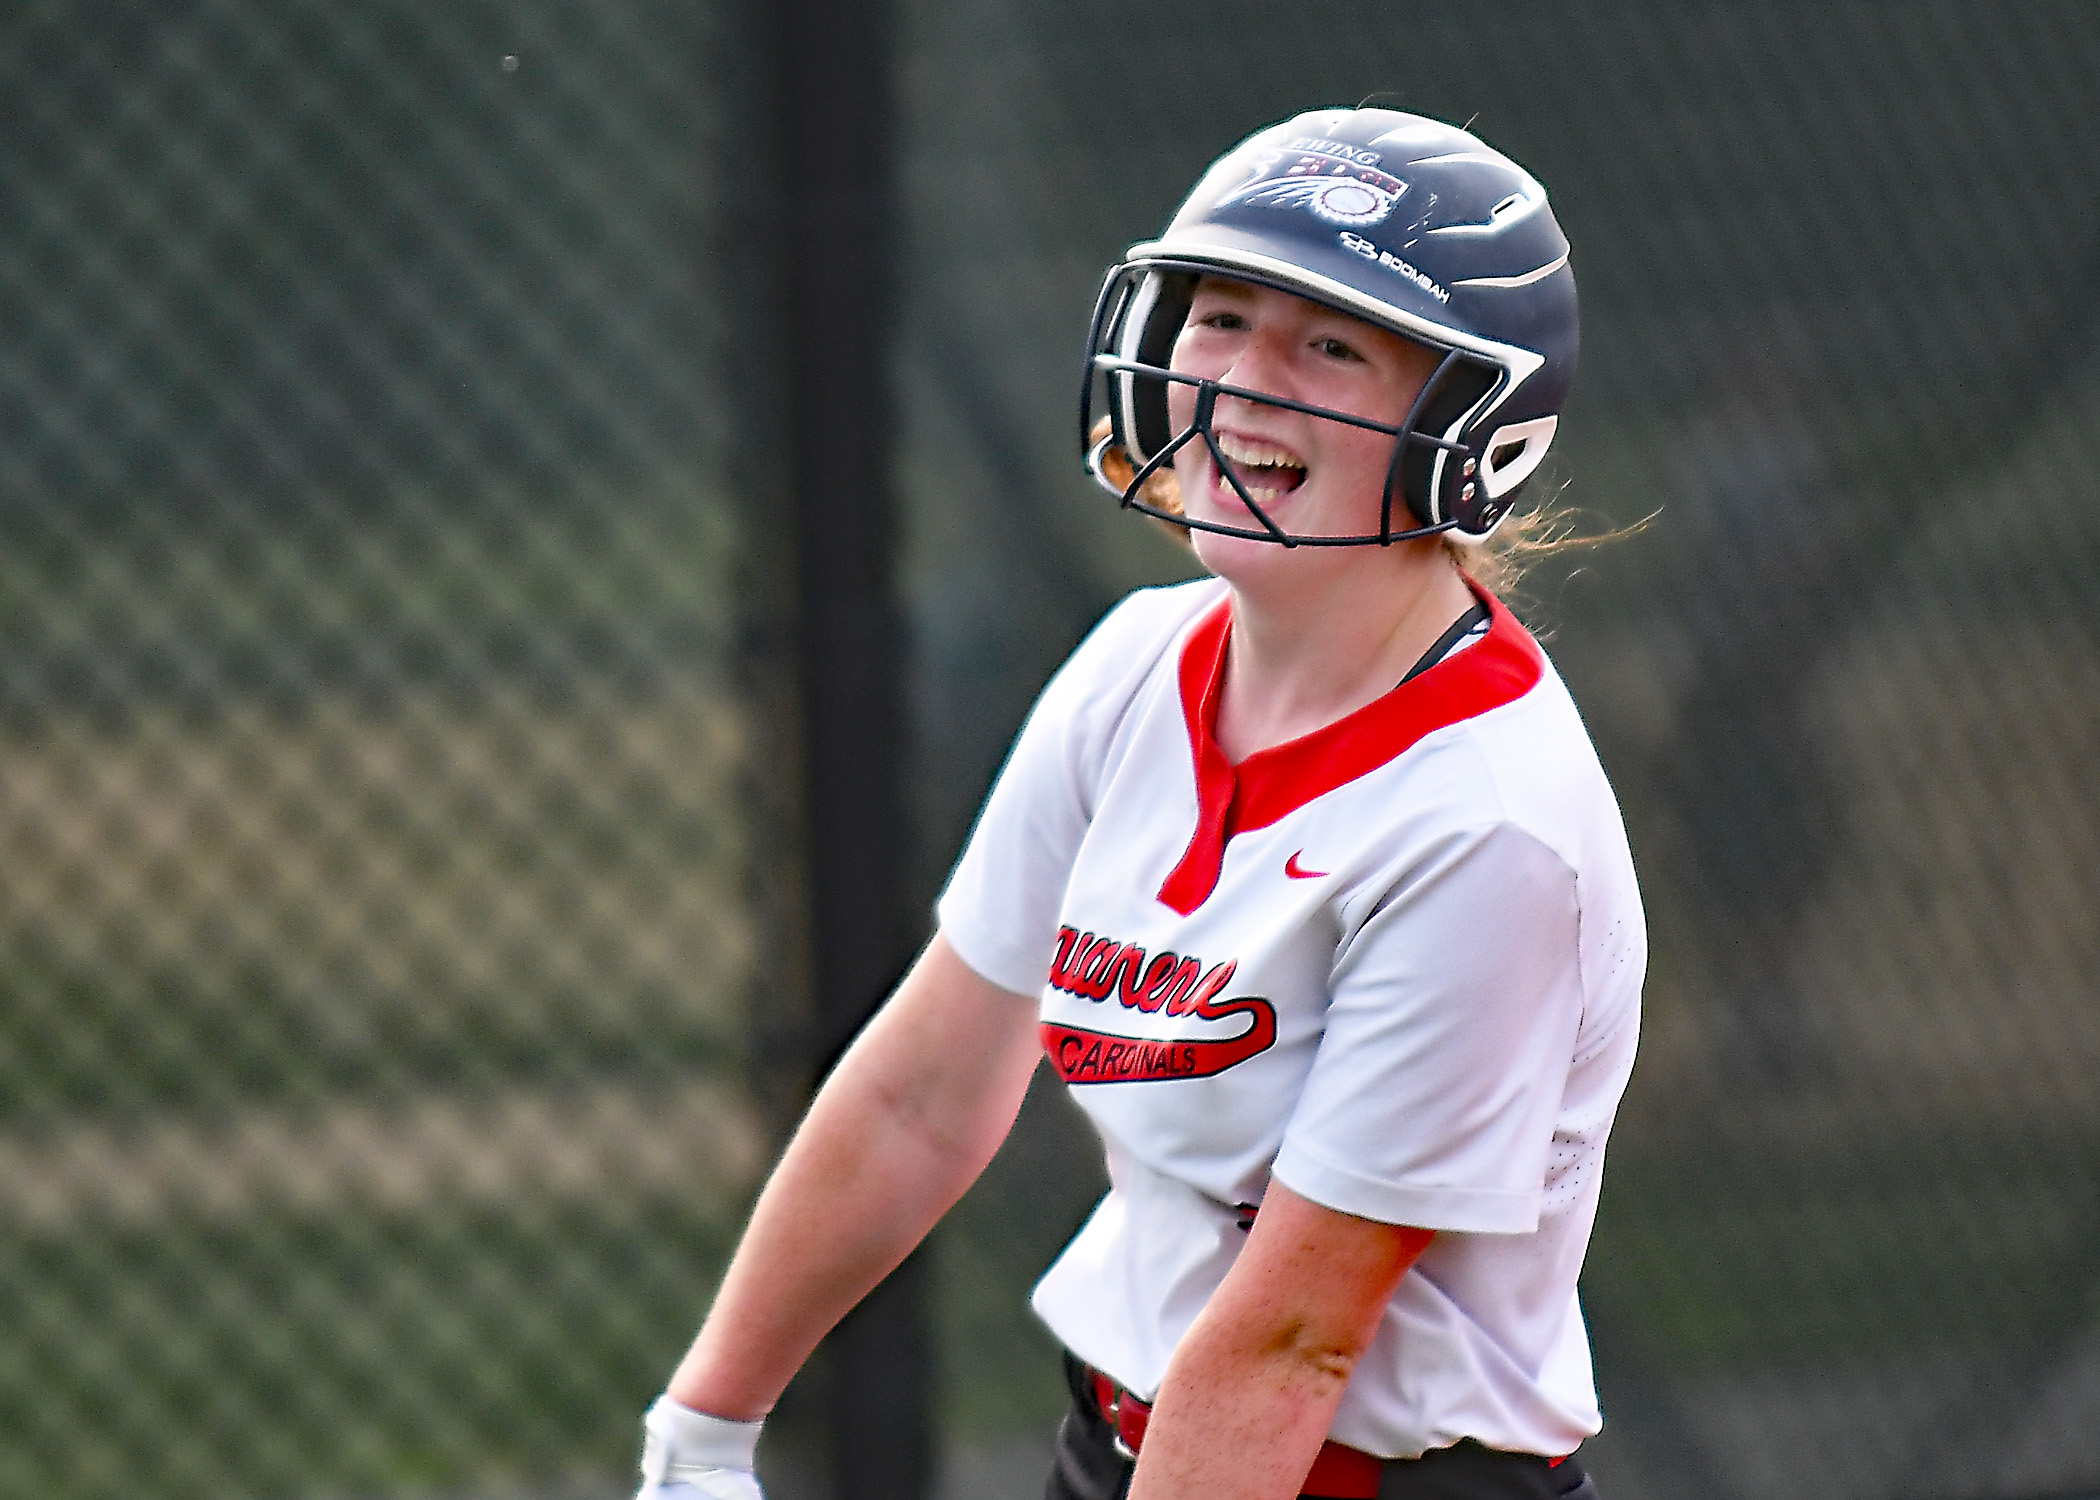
(1207, 393)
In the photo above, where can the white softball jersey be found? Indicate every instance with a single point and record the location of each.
(1394, 964)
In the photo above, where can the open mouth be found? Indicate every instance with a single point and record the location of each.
(1267, 469)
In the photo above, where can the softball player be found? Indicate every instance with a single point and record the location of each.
(1304, 876)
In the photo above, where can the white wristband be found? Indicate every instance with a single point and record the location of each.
(678, 1442)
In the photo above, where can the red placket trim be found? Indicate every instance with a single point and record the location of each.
(1273, 783)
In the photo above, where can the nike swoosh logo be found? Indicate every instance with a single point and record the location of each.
(1296, 871)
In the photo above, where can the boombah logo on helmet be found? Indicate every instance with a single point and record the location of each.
(1408, 223)
(1094, 968)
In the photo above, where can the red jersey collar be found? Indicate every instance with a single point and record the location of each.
(1272, 783)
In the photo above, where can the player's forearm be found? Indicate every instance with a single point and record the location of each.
(847, 1204)
(906, 1122)
(1237, 1421)
(1253, 1386)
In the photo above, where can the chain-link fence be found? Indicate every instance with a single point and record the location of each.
(374, 938)
(380, 952)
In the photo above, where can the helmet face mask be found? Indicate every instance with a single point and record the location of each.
(1138, 384)
(1406, 224)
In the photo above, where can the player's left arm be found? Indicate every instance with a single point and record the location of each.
(1253, 1386)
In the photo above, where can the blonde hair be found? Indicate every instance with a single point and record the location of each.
(1499, 563)
(1496, 564)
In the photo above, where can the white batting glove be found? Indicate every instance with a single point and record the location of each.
(688, 1454)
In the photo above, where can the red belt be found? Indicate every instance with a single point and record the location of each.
(1339, 1471)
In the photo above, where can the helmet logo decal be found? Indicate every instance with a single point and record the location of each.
(1349, 192)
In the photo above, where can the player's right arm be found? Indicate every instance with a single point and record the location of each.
(905, 1123)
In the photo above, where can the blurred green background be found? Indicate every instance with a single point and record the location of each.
(392, 781)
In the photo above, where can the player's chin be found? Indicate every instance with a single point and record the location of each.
(1245, 557)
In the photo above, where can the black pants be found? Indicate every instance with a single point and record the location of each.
(1088, 1467)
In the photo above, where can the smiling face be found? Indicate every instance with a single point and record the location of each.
(1312, 476)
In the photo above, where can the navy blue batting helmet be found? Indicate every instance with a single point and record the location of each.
(1405, 222)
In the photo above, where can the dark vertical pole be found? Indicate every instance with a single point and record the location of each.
(828, 169)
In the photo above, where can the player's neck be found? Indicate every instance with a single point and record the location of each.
(1301, 658)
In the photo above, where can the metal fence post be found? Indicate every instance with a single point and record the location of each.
(828, 173)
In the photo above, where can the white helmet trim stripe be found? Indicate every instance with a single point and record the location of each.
(1491, 158)
(1514, 281)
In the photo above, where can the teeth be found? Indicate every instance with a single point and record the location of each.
(1256, 454)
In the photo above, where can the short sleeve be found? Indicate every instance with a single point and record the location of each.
(1434, 1094)
(999, 909)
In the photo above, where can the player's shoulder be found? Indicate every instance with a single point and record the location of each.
(1524, 767)
(1139, 632)
(1128, 660)
(1537, 748)
(1159, 614)
(1535, 766)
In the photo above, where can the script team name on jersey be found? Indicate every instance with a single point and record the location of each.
(1094, 967)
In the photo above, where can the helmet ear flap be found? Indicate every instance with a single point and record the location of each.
(1430, 479)
(1513, 453)
(1144, 334)
(1508, 457)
